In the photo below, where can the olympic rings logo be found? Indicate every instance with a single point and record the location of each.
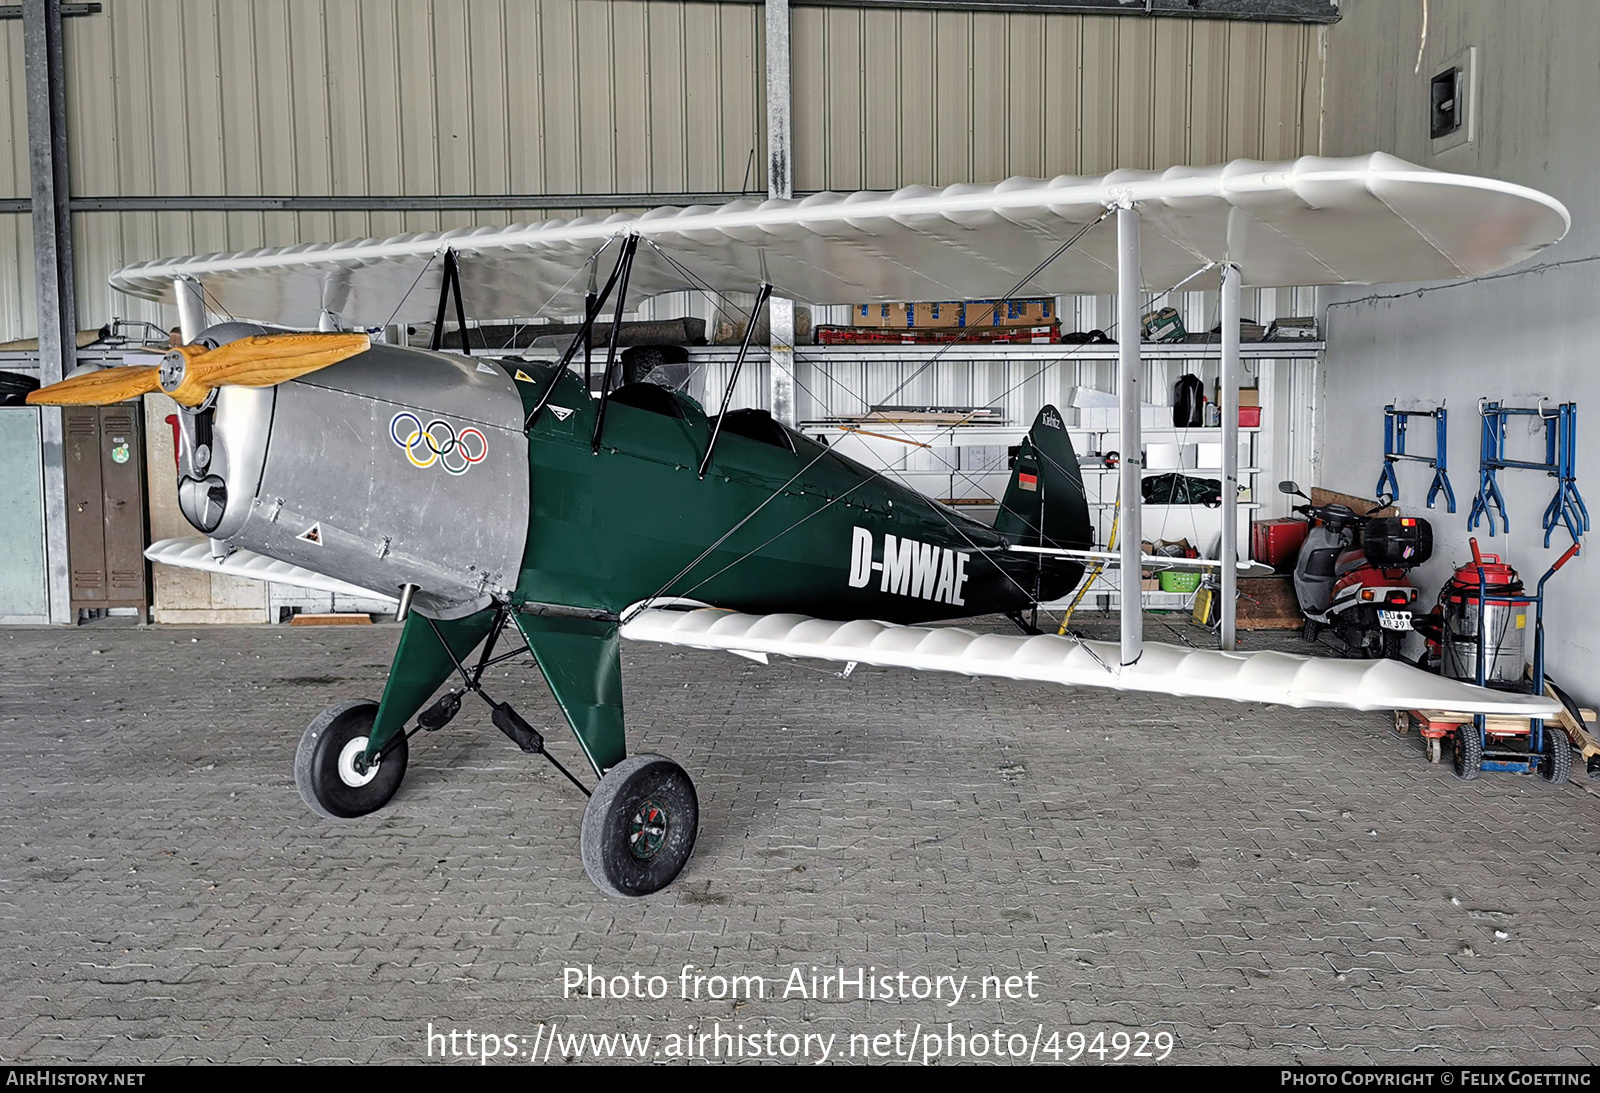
(438, 442)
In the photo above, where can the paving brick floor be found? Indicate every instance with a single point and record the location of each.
(1264, 885)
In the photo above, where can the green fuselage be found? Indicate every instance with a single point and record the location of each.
(778, 524)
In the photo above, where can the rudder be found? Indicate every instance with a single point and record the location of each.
(1044, 503)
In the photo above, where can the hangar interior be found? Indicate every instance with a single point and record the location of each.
(249, 147)
(143, 129)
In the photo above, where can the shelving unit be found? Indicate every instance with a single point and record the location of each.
(1201, 526)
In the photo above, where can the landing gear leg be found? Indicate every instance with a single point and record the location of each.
(1029, 628)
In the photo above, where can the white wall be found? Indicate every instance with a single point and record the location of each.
(1528, 332)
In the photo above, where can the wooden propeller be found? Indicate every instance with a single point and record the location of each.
(107, 387)
(189, 373)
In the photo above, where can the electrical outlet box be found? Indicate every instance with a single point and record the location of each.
(1453, 102)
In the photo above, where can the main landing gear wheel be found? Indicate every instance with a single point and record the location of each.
(1555, 761)
(327, 766)
(639, 827)
(1466, 755)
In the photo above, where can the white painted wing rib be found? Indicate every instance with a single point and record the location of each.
(1310, 221)
(1282, 678)
(195, 553)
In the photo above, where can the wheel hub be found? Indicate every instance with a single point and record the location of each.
(354, 770)
(647, 831)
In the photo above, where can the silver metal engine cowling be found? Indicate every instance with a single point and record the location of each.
(394, 467)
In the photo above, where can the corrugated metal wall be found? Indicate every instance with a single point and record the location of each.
(598, 96)
(886, 98)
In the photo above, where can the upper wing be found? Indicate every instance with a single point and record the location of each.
(1310, 221)
(1285, 678)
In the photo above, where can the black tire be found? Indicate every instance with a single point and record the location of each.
(1466, 752)
(343, 794)
(1555, 760)
(1591, 767)
(1311, 631)
(639, 828)
(1394, 645)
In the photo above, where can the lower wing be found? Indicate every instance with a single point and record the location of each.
(1283, 678)
(195, 552)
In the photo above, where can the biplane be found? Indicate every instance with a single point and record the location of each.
(510, 510)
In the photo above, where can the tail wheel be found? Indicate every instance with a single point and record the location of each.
(639, 828)
(1555, 758)
(329, 768)
(1466, 756)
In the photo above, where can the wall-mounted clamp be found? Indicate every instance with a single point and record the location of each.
(1394, 451)
(1566, 508)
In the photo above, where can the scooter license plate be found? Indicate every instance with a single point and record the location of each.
(1394, 620)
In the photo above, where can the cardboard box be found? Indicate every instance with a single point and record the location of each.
(932, 315)
(1249, 396)
(943, 459)
(955, 314)
(1208, 454)
(1169, 457)
(984, 458)
(1010, 312)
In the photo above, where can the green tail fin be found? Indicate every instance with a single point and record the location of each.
(1044, 503)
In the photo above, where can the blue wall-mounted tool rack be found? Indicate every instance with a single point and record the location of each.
(1561, 463)
(1394, 451)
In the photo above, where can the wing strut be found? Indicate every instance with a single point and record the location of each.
(450, 285)
(625, 264)
(591, 309)
(762, 295)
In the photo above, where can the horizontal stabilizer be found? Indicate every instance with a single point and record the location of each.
(1283, 678)
(1111, 560)
(194, 552)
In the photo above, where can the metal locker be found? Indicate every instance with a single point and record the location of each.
(86, 530)
(106, 507)
(122, 485)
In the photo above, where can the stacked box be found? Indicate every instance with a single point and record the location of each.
(983, 458)
(942, 459)
(955, 314)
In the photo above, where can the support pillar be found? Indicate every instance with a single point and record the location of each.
(1130, 396)
(780, 183)
(1229, 406)
(44, 79)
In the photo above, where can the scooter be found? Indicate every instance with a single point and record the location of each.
(1362, 594)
